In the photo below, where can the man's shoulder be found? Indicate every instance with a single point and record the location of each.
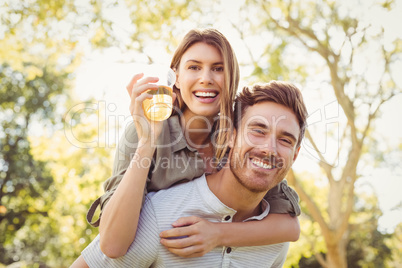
(176, 192)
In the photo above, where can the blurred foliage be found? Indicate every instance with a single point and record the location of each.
(367, 247)
(26, 193)
(50, 170)
(78, 174)
(395, 243)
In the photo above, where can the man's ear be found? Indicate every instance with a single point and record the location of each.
(296, 153)
(232, 138)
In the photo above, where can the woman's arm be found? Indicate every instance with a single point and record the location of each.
(118, 223)
(203, 236)
(119, 220)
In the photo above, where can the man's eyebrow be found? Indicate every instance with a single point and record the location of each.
(258, 124)
(265, 126)
(290, 135)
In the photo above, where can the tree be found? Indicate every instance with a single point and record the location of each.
(367, 247)
(342, 42)
(395, 243)
(24, 181)
(330, 46)
(78, 169)
(35, 73)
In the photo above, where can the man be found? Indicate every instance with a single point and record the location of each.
(269, 125)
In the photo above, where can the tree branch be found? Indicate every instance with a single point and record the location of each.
(321, 260)
(241, 33)
(325, 52)
(312, 207)
(340, 145)
(323, 163)
(343, 227)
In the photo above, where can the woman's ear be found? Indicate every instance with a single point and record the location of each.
(177, 83)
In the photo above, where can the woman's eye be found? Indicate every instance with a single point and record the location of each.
(193, 67)
(218, 69)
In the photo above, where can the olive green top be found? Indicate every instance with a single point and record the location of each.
(175, 161)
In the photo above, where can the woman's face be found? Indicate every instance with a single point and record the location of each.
(201, 79)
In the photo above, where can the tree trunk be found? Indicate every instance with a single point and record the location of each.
(336, 255)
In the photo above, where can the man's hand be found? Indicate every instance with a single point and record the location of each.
(191, 237)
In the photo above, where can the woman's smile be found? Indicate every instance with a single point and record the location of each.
(201, 79)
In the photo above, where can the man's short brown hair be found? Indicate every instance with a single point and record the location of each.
(283, 93)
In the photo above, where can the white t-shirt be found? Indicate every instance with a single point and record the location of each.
(161, 209)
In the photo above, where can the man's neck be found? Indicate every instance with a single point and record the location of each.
(234, 195)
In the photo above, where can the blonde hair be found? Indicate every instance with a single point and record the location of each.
(216, 39)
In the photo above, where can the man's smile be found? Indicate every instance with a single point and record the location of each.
(261, 164)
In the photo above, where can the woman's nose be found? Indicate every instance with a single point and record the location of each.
(206, 77)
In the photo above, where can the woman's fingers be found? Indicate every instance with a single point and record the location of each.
(178, 242)
(186, 221)
(138, 85)
(136, 104)
(189, 252)
(188, 247)
(133, 81)
(191, 237)
(177, 232)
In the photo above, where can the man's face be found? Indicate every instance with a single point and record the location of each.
(264, 147)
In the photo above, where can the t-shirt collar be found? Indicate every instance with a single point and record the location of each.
(220, 208)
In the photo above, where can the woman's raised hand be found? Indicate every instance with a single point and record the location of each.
(147, 130)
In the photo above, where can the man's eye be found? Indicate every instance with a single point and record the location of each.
(286, 141)
(258, 131)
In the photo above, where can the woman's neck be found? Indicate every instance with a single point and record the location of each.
(197, 132)
(196, 129)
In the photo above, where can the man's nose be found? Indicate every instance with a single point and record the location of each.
(270, 147)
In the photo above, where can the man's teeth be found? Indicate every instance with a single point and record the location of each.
(261, 164)
(206, 94)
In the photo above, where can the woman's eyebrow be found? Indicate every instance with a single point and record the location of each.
(199, 62)
(196, 61)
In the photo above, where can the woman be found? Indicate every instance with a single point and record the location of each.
(207, 79)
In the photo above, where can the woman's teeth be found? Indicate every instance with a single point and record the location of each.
(261, 164)
(205, 94)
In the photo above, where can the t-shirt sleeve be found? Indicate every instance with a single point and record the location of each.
(142, 252)
(283, 200)
(280, 260)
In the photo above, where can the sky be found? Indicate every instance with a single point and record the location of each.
(104, 77)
